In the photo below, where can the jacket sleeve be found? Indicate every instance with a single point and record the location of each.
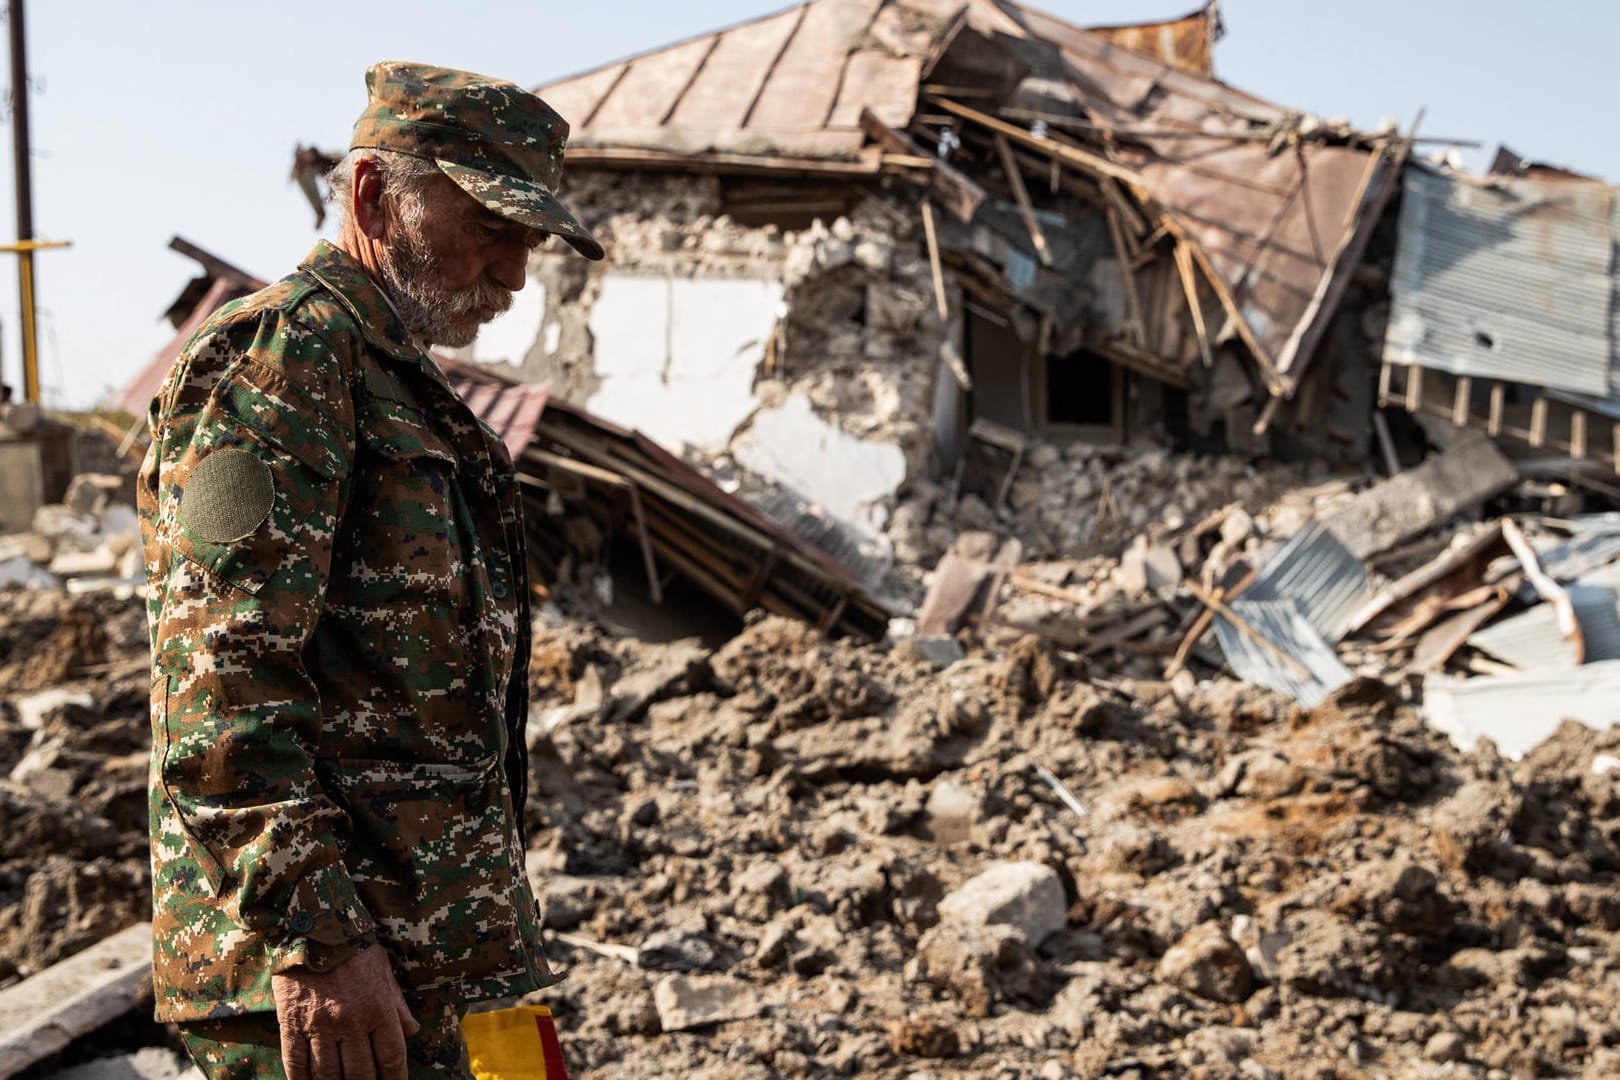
(252, 480)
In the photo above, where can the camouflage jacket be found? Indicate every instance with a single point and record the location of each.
(340, 637)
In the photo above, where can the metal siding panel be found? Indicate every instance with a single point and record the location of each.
(1315, 572)
(1513, 281)
(1281, 623)
(720, 95)
(1519, 711)
(1532, 640)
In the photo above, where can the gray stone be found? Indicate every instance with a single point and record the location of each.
(34, 709)
(953, 810)
(61, 525)
(1027, 896)
(679, 950)
(39, 775)
(682, 665)
(1445, 1046)
(873, 256)
(91, 493)
(151, 1063)
(1208, 963)
(100, 562)
(940, 650)
(978, 966)
(685, 1002)
(565, 900)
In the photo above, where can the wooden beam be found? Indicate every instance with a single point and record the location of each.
(1498, 409)
(1015, 178)
(1133, 299)
(1538, 420)
(1577, 435)
(740, 164)
(1068, 154)
(1460, 401)
(956, 192)
(46, 1012)
(1189, 285)
(934, 265)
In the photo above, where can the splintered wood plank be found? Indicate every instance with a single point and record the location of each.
(652, 86)
(885, 84)
(724, 89)
(577, 99)
(44, 1013)
(800, 93)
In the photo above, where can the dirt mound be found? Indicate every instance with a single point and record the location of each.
(795, 856)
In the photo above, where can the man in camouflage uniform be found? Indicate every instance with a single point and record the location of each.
(339, 617)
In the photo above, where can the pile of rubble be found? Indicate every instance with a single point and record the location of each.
(89, 541)
(1040, 830)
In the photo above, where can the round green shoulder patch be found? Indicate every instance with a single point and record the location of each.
(227, 496)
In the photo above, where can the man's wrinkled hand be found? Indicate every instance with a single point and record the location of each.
(348, 1023)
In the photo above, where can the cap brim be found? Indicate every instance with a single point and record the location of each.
(524, 202)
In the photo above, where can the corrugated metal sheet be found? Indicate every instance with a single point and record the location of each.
(1518, 712)
(1533, 641)
(1281, 623)
(791, 84)
(1509, 279)
(1316, 573)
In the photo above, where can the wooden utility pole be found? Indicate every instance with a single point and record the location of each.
(25, 199)
(26, 245)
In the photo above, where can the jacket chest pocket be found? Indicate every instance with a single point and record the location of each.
(407, 517)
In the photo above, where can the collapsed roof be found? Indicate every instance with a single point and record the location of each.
(1272, 208)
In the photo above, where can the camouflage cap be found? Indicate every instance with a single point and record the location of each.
(498, 142)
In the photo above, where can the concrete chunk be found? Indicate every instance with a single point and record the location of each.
(1024, 895)
(685, 1002)
(1466, 474)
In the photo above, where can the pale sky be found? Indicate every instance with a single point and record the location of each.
(164, 117)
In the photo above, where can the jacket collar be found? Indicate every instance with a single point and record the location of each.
(349, 283)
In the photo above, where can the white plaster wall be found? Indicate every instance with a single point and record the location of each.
(850, 477)
(676, 358)
(508, 337)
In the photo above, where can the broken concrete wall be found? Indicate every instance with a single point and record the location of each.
(719, 336)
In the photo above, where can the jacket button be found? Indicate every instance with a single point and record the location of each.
(498, 589)
(300, 922)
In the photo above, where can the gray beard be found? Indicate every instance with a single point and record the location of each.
(430, 311)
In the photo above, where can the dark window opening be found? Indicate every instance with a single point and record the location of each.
(1079, 389)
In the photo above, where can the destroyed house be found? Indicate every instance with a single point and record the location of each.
(862, 243)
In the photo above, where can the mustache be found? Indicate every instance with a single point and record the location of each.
(483, 295)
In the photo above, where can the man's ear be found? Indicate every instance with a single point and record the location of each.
(369, 214)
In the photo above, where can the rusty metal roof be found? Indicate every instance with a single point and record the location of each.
(220, 283)
(510, 409)
(1187, 43)
(1271, 209)
(794, 84)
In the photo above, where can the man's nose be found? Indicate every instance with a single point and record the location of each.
(510, 266)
